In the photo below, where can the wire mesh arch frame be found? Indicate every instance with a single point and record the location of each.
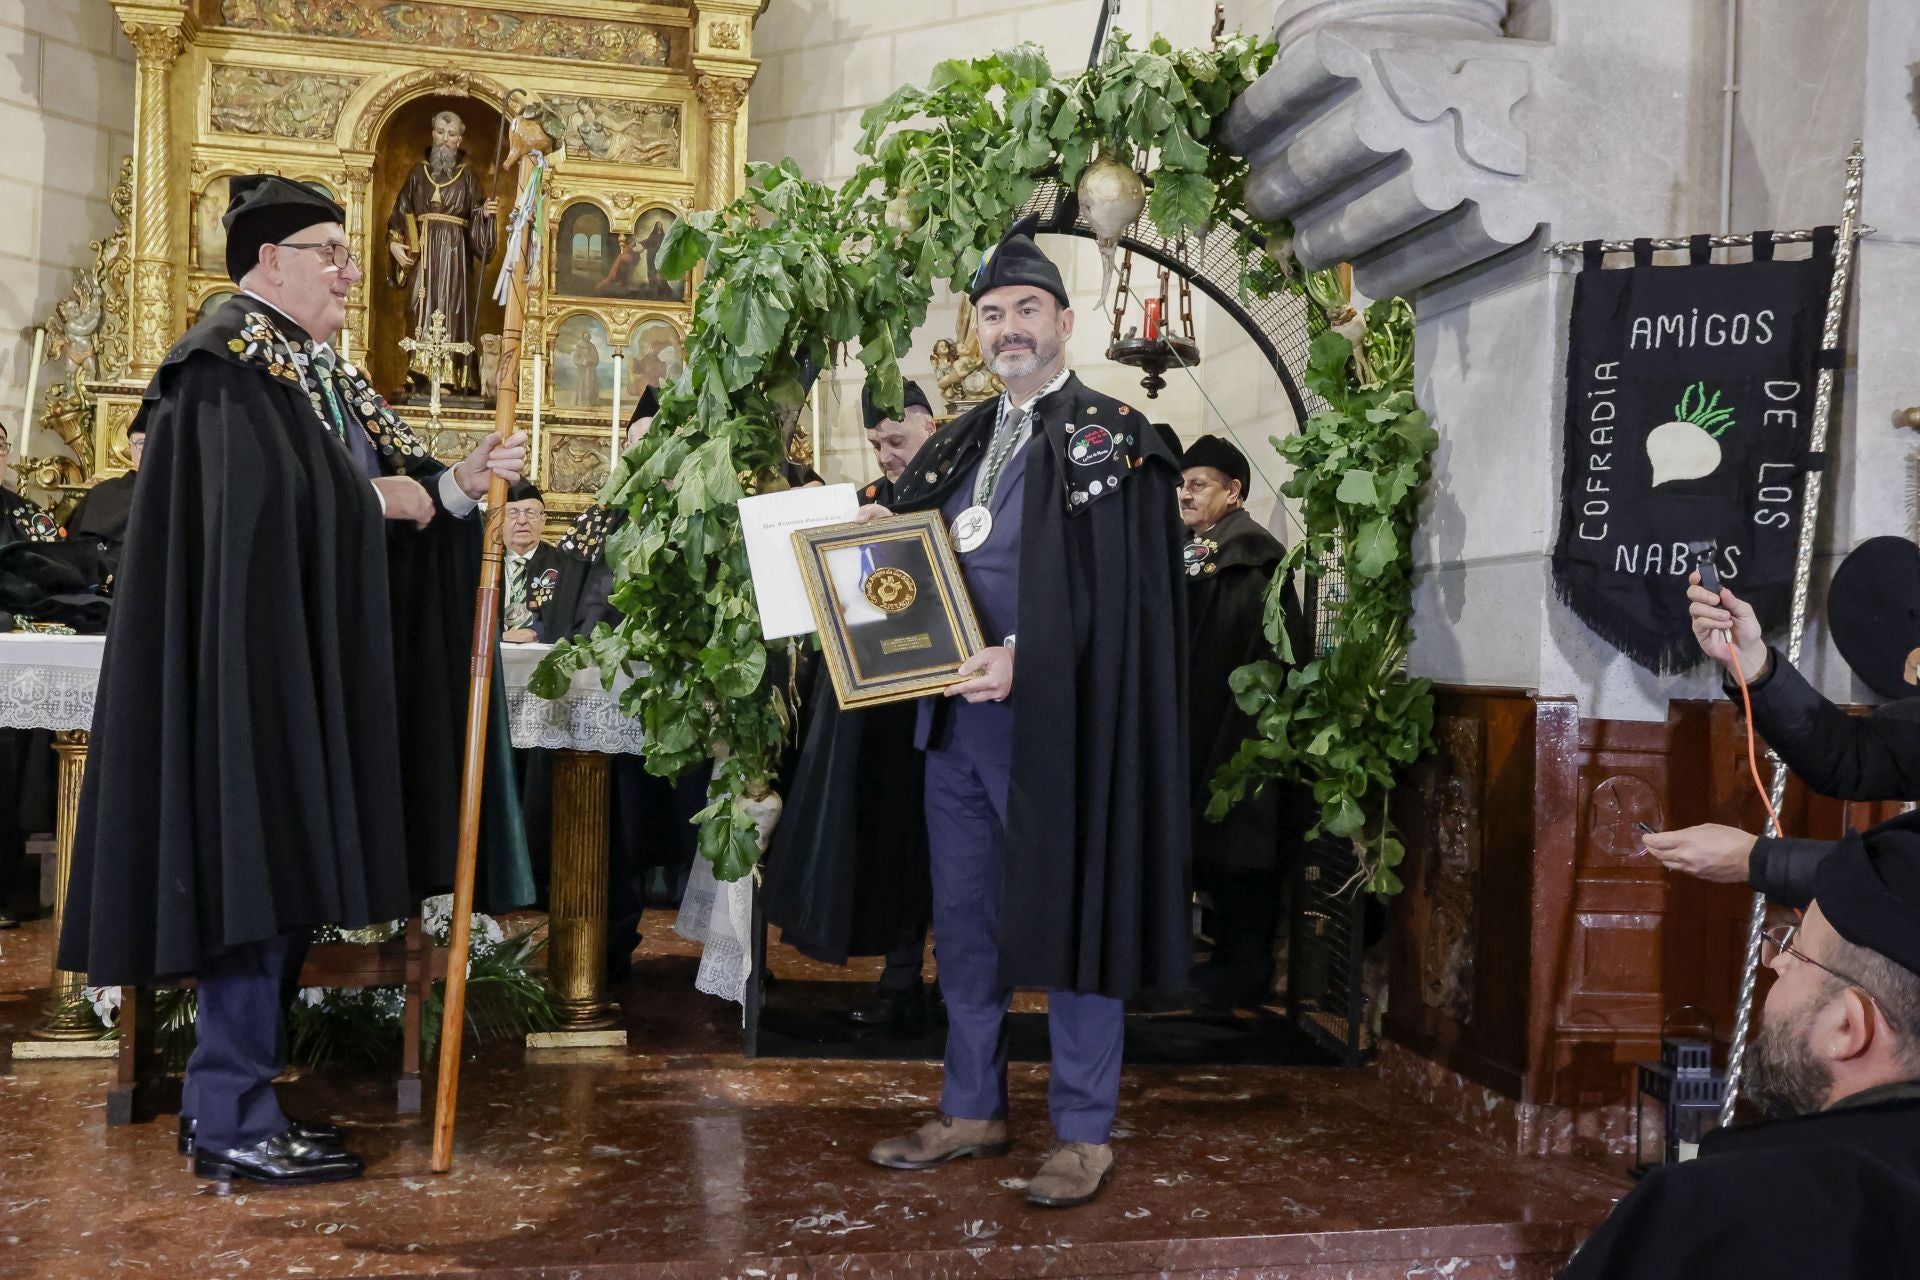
(1281, 326)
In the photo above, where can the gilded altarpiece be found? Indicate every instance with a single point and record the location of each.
(648, 101)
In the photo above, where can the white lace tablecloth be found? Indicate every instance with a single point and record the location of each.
(47, 682)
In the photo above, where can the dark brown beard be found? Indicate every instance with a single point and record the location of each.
(1785, 1078)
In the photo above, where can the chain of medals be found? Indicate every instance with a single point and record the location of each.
(972, 527)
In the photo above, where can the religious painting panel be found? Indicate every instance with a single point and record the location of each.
(455, 26)
(643, 278)
(655, 355)
(618, 130)
(267, 102)
(582, 365)
(209, 237)
(587, 252)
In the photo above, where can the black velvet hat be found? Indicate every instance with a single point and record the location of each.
(58, 582)
(646, 406)
(1869, 890)
(872, 416)
(1223, 456)
(1018, 260)
(523, 489)
(1874, 610)
(263, 209)
(1171, 438)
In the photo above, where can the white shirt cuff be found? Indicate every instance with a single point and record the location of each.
(454, 498)
(381, 498)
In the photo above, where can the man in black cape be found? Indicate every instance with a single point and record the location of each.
(1056, 797)
(101, 514)
(258, 724)
(852, 880)
(1832, 1189)
(1240, 861)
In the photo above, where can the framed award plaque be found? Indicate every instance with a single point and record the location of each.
(894, 617)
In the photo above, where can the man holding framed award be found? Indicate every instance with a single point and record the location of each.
(1056, 792)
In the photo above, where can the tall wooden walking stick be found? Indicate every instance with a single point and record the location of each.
(528, 144)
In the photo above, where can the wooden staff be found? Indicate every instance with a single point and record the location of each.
(528, 140)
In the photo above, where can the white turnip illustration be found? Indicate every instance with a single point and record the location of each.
(1689, 447)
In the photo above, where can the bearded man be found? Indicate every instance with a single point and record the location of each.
(440, 232)
(1831, 1187)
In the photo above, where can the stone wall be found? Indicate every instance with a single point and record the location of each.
(66, 110)
(826, 61)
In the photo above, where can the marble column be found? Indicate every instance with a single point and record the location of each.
(157, 45)
(1468, 18)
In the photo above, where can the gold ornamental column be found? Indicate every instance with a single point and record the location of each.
(577, 900)
(69, 1017)
(723, 68)
(158, 39)
(722, 96)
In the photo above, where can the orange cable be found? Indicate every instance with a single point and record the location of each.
(1753, 754)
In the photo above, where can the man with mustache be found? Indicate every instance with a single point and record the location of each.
(1056, 774)
(1831, 1187)
(441, 230)
(1239, 861)
(256, 722)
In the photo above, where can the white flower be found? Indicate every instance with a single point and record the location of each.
(489, 928)
(106, 1004)
(436, 913)
(313, 996)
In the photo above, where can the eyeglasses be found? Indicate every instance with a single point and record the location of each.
(1780, 938)
(339, 254)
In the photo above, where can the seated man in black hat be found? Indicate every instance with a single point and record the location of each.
(532, 570)
(1832, 1186)
(1874, 612)
(1240, 861)
(257, 722)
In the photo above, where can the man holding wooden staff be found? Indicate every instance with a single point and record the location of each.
(246, 766)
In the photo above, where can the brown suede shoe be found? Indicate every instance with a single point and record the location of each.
(1074, 1174)
(941, 1140)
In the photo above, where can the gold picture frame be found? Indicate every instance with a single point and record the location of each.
(894, 617)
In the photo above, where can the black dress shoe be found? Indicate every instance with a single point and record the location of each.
(8, 920)
(901, 1012)
(286, 1159)
(320, 1135)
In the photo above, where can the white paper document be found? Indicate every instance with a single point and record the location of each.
(768, 521)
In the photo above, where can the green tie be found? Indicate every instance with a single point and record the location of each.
(323, 362)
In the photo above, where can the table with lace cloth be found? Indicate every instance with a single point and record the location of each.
(48, 682)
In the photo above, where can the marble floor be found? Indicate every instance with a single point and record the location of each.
(677, 1158)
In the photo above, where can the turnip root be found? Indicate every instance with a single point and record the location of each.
(1687, 448)
(1112, 196)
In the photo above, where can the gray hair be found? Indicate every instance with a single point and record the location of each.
(454, 116)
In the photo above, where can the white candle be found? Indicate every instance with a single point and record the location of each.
(345, 354)
(539, 370)
(618, 443)
(33, 391)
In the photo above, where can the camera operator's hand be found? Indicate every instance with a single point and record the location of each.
(1709, 851)
(1713, 618)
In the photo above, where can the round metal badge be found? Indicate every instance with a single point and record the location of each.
(889, 590)
(970, 529)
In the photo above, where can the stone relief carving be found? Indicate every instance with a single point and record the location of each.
(724, 35)
(279, 104)
(618, 130)
(1424, 87)
(450, 26)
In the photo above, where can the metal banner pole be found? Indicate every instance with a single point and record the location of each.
(1802, 581)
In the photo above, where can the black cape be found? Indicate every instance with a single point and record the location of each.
(102, 513)
(1095, 889)
(265, 758)
(1228, 570)
(853, 879)
(1836, 1193)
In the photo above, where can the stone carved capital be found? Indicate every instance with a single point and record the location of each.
(1362, 135)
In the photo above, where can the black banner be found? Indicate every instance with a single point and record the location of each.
(1690, 395)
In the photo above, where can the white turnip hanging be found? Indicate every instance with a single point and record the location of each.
(1688, 447)
(1112, 196)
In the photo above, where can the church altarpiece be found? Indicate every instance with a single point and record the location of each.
(648, 100)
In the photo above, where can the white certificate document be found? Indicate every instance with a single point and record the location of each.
(768, 521)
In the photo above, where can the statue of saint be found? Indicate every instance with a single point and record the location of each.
(442, 232)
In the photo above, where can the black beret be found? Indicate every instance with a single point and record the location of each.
(1222, 455)
(263, 209)
(1874, 610)
(1018, 260)
(523, 489)
(1171, 438)
(646, 406)
(912, 398)
(1869, 890)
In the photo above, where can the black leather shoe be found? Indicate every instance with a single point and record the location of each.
(320, 1135)
(901, 1012)
(286, 1159)
(8, 920)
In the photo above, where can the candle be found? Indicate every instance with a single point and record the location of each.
(618, 443)
(539, 370)
(33, 390)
